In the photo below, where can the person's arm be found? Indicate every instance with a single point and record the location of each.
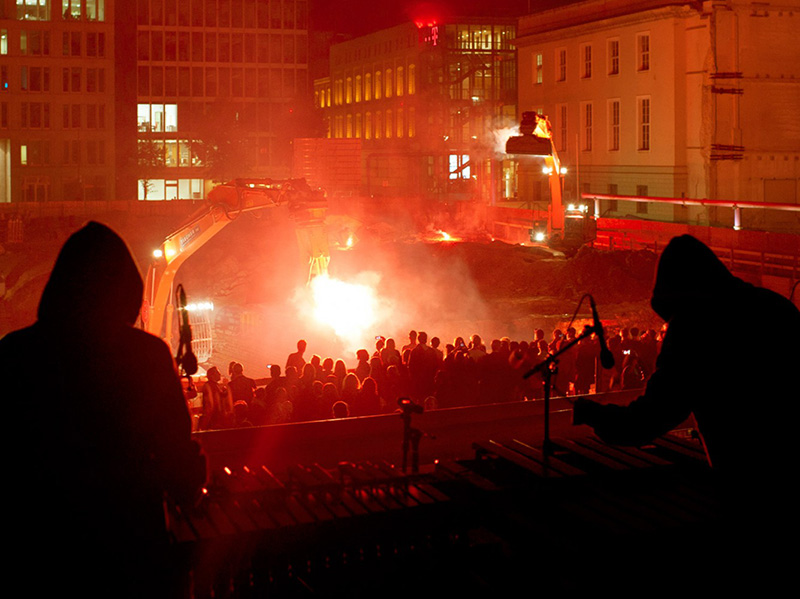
(667, 399)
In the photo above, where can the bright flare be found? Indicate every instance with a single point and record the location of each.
(348, 308)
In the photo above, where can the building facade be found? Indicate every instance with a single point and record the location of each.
(217, 85)
(425, 99)
(671, 99)
(57, 126)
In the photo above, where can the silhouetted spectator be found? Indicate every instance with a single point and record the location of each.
(389, 354)
(100, 432)
(340, 410)
(725, 388)
(217, 403)
(242, 387)
(362, 367)
(412, 343)
(367, 400)
(296, 359)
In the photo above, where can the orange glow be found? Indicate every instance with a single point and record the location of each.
(439, 235)
(228, 471)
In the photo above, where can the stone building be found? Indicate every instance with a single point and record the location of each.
(671, 99)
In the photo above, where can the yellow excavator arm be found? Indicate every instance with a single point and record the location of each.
(225, 203)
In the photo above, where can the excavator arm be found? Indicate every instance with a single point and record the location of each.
(226, 203)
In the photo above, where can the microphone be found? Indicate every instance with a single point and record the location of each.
(606, 357)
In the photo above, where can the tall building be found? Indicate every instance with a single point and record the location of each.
(668, 98)
(217, 85)
(425, 100)
(57, 126)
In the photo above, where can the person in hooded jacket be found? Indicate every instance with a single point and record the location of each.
(101, 433)
(745, 406)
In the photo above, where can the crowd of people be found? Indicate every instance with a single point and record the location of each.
(462, 373)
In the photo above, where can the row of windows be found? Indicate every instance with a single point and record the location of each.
(383, 84)
(36, 115)
(614, 125)
(164, 118)
(222, 82)
(187, 46)
(73, 79)
(587, 60)
(74, 152)
(71, 10)
(274, 14)
(386, 124)
(172, 152)
(35, 42)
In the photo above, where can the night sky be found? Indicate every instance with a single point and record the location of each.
(358, 17)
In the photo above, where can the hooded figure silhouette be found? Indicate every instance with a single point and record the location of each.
(101, 432)
(745, 405)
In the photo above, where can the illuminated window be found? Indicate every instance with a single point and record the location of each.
(412, 79)
(538, 68)
(613, 125)
(587, 61)
(3, 41)
(96, 9)
(33, 10)
(157, 118)
(459, 166)
(613, 57)
(388, 124)
(348, 90)
(378, 85)
(644, 123)
(358, 126)
(400, 81)
(378, 124)
(348, 131)
(389, 83)
(412, 125)
(358, 88)
(71, 9)
(367, 87)
(562, 64)
(643, 51)
(400, 124)
(368, 126)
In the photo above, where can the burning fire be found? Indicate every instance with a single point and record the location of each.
(439, 235)
(350, 309)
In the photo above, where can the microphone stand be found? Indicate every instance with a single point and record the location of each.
(548, 367)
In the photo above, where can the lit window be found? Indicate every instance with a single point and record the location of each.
(358, 88)
(538, 68)
(389, 83)
(33, 10)
(459, 166)
(367, 87)
(400, 81)
(378, 84)
(412, 79)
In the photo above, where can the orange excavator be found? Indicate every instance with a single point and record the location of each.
(226, 202)
(566, 228)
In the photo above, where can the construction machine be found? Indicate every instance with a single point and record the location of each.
(566, 229)
(307, 207)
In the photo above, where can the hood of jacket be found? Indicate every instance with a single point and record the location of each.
(94, 283)
(689, 274)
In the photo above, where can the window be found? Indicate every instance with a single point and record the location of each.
(389, 83)
(367, 87)
(412, 79)
(348, 91)
(613, 125)
(587, 126)
(644, 123)
(33, 10)
(562, 127)
(587, 61)
(459, 166)
(538, 68)
(35, 79)
(613, 57)
(34, 153)
(400, 123)
(3, 41)
(400, 81)
(157, 118)
(642, 192)
(358, 88)
(71, 9)
(35, 115)
(388, 124)
(34, 43)
(378, 124)
(96, 9)
(368, 126)
(562, 64)
(643, 51)
(378, 85)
